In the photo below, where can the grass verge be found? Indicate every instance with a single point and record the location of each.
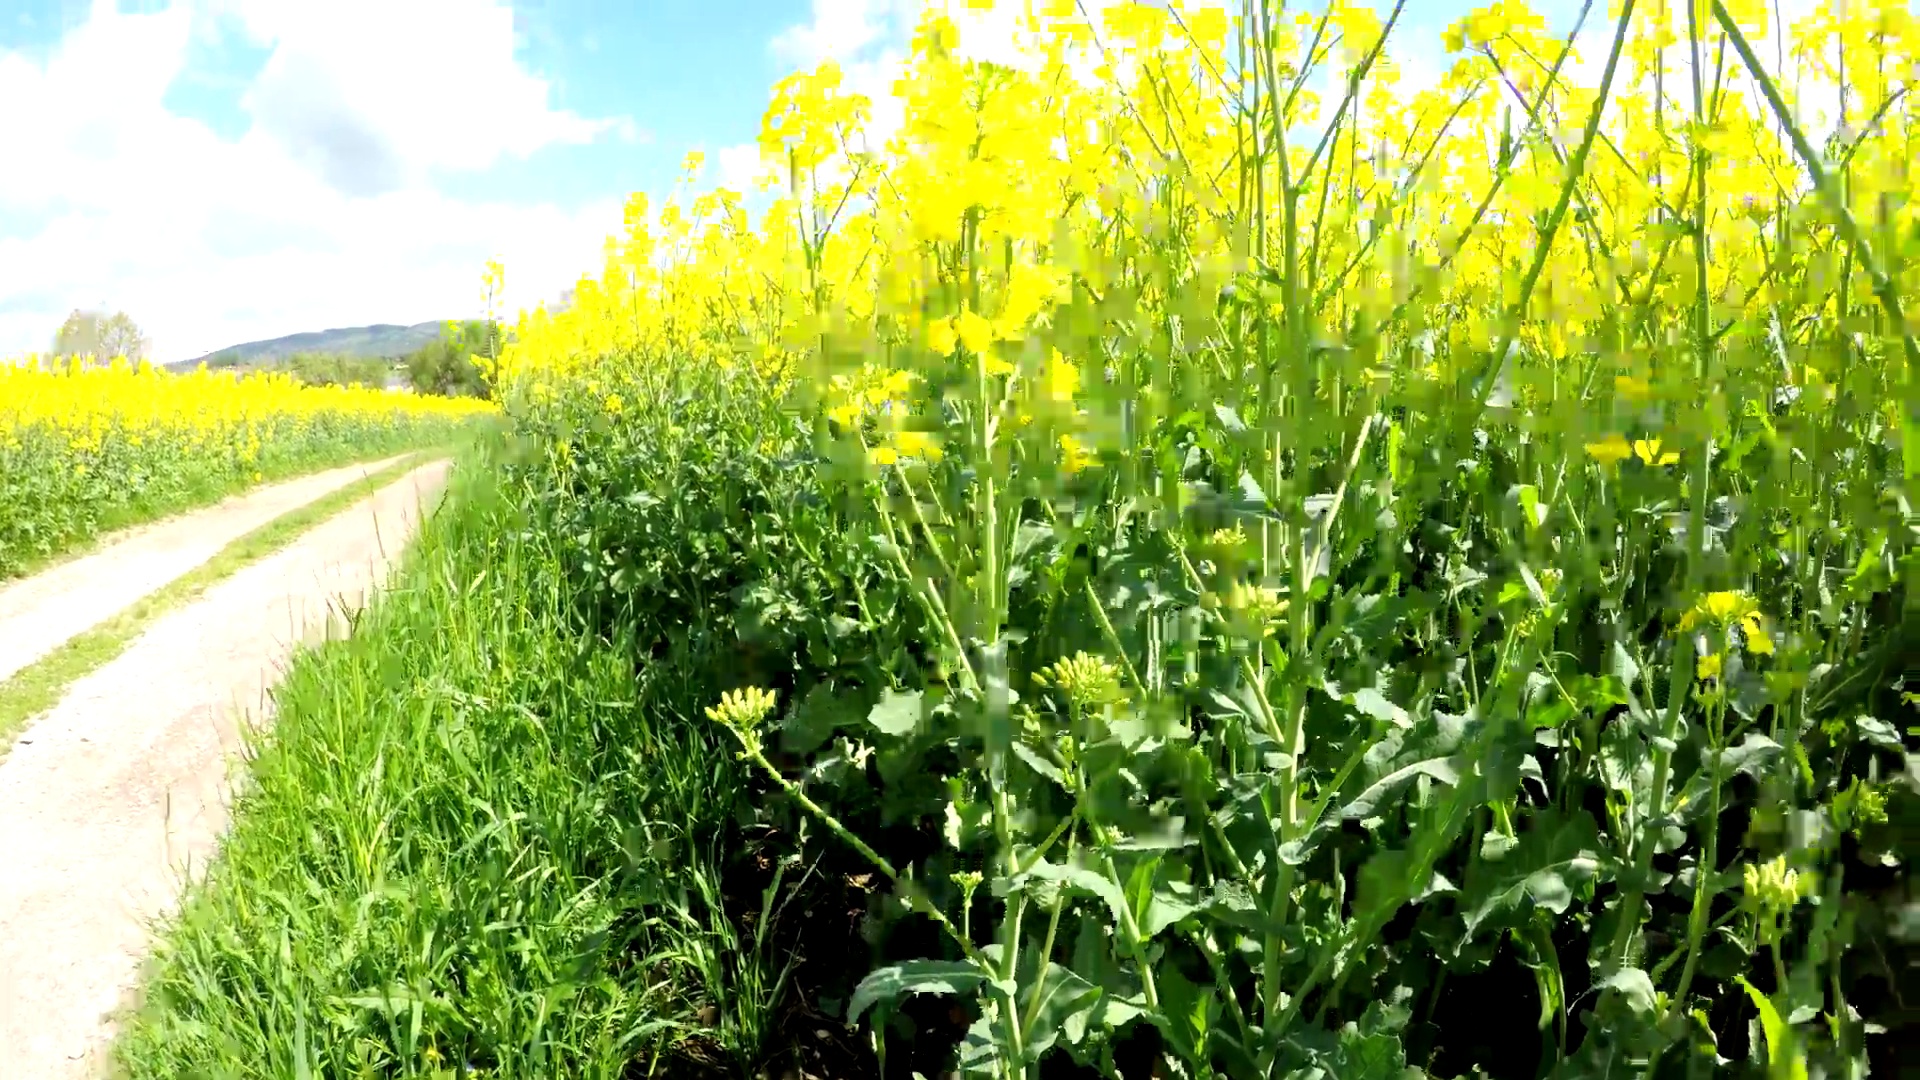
(39, 686)
(466, 851)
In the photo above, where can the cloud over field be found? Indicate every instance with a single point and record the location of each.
(327, 205)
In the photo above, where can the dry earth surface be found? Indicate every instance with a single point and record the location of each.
(39, 613)
(117, 796)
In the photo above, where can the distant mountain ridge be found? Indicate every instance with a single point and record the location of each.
(387, 340)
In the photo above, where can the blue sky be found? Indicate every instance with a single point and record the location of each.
(225, 170)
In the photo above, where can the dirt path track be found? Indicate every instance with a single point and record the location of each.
(120, 791)
(39, 613)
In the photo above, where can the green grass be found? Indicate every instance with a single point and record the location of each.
(465, 847)
(39, 686)
(184, 498)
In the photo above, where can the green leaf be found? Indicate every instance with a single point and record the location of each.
(1784, 1060)
(980, 1049)
(1541, 868)
(1039, 764)
(1371, 702)
(1634, 986)
(1107, 1013)
(896, 713)
(1081, 878)
(1878, 732)
(1168, 905)
(1368, 803)
(1753, 756)
(1189, 1010)
(913, 977)
(1066, 1003)
(814, 718)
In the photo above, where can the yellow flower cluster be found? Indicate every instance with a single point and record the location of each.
(1110, 154)
(86, 446)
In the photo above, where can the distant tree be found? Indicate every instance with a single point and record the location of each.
(446, 366)
(336, 369)
(101, 336)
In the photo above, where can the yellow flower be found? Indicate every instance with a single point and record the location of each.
(1648, 451)
(1727, 609)
(1708, 666)
(975, 333)
(614, 405)
(1609, 451)
(742, 709)
(1062, 379)
(916, 444)
(1084, 679)
(883, 455)
(1724, 605)
(942, 338)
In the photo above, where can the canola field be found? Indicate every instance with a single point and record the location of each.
(1191, 555)
(85, 448)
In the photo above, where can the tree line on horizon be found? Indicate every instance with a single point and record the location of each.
(443, 367)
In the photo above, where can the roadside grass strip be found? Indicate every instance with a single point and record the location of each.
(463, 850)
(38, 687)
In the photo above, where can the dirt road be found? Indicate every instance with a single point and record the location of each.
(122, 791)
(39, 613)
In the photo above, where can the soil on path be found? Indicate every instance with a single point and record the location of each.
(40, 613)
(121, 794)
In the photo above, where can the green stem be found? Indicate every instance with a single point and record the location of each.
(1543, 247)
(751, 745)
(1883, 286)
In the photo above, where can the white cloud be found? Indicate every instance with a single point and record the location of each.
(323, 213)
(740, 167)
(843, 30)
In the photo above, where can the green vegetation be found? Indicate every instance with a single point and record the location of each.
(446, 366)
(441, 365)
(1088, 590)
(85, 449)
(473, 846)
(335, 369)
(100, 336)
(39, 686)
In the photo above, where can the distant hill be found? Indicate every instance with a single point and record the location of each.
(385, 340)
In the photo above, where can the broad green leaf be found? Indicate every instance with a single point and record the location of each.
(1542, 867)
(1371, 702)
(1066, 1002)
(1752, 757)
(897, 713)
(1033, 760)
(1370, 802)
(1878, 732)
(980, 1048)
(1634, 986)
(913, 977)
(1168, 905)
(1081, 878)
